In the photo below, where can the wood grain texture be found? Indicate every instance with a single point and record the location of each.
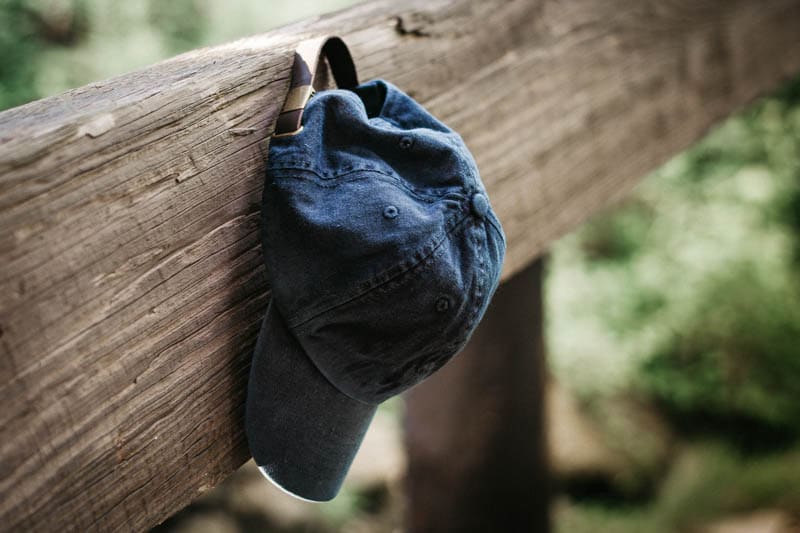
(130, 270)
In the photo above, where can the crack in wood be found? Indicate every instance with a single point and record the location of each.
(403, 27)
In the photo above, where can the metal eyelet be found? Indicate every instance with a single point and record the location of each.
(390, 212)
(406, 142)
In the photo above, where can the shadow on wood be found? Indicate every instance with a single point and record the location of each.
(475, 430)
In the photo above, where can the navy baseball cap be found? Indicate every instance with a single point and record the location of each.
(382, 252)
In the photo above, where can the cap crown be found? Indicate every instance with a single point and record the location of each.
(381, 247)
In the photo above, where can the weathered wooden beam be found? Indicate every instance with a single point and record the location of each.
(130, 270)
(477, 458)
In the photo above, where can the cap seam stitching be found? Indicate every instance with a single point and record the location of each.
(496, 226)
(438, 357)
(384, 282)
(395, 180)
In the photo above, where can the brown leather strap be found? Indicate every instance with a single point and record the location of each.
(306, 60)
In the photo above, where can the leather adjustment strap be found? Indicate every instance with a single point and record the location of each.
(306, 60)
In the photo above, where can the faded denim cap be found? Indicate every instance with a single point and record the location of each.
(383, 252)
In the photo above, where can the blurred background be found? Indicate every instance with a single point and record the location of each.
(673, 320)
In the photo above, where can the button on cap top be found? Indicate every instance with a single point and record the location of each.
(480, 205)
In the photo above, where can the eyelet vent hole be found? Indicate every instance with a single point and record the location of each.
(390, 212)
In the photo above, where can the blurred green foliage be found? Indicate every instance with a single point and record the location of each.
(50, 46)
(733, 360)
(709, 481)
(181, 23)
(733, 365)
(19, 43)
(689, 294)
(690, 291)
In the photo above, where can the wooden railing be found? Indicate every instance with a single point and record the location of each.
(130, 270)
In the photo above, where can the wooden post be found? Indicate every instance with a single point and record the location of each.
(474, 430)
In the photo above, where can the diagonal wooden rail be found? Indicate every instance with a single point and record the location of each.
(130, 270)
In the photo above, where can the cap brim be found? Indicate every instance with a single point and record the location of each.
(303, 433)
